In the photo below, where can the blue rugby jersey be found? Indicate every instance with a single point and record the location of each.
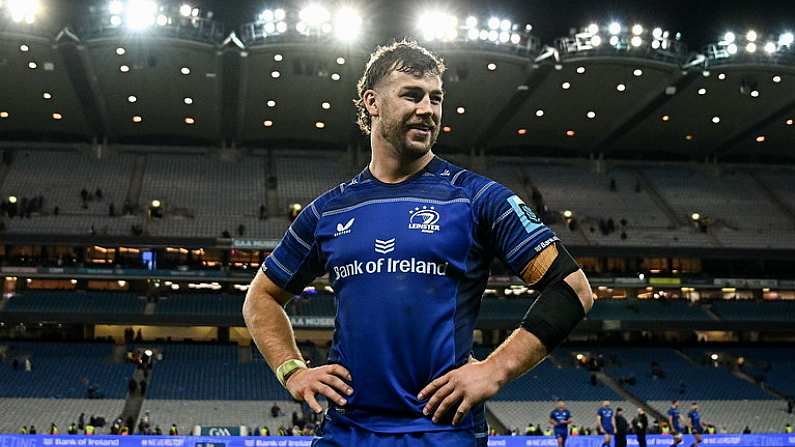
(560, 416)
(675, 420)
(606, 417)
(695, 419)
(408, 263)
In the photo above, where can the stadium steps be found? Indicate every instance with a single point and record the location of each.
(135, 402)
(686, 357)
(771, 194)
(494, 422)
(658, 199)
(136, 181)
(627, 395)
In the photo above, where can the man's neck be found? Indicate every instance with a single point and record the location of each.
(387, 166)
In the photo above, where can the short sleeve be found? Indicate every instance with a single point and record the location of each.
(295, 262)
(515, 234)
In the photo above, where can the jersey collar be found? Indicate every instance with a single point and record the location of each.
(434, 166)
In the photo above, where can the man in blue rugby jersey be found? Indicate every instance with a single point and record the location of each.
(696, 429)
(675, 422)
(560, 418)
(605, 420)
(407, 245)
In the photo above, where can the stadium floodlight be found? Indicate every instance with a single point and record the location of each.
(505, 25)
(115, 20)
(732, 48)
(471, 22)
(729, 37)
(655, 44)
(140, 14)
(637, 29)
(695, 216)
(751, 36)
(505, 37)
(314, 15)
(657, 33)
(785, 39)
(770, 48)
(751, 47)
(23, 10)
(162, 20)
(438, 25)
(614, 28)
(515, 38)
(494, 23)
(185, 9)
(593, 28)
(596, 41)
(614, 40)
(493, 35)
(473, 34)
(636, 41)
(347, 24)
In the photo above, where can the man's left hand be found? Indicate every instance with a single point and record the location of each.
(466, 386)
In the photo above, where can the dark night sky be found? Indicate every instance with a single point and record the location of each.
(699, 21)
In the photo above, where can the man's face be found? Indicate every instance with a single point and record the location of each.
(561, 404)
(409, 111)
(606, 403)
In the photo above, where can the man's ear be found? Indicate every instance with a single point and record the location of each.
(370, 102)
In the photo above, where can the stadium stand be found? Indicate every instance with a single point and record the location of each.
(189, 413)
(29, 411)
(63, 370)
(200, 304)
(647, 310)
(519, 414)
(740, 310)
(67, 302)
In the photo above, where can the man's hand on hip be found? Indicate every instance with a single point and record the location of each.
(326, 380)
(466, 386)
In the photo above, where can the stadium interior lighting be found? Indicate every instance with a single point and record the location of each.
(776, 79)
(460, 110)
(621, 87)
(637, 72)
(751, 47)
(347, 25)
(185, 70)
(786, 39)
(566, 85)
(447, 129)
(637, 29)
(314, 19)
(140, 14)
(155, 203)
(702, 91)
(57, 116)
(770, 48)
(492, 66)
(666, 118)
(614, 28)
(325, 105)
(32, 65)
(320, 124)
(187, 100)
(689, 137)
(185, 10)
(751, 36)
(120, 51)
(716, 119)
(695, 216)
(278, 57)
(636, 41)
(596, 41)
(705, 73)
(570, 133)
(580, 69)
(46, 95)
(132, 98)
(754, 93)
(593, 28)
(190, 120)
(521, 131)
(721, 76)
(714, 356)
(732, 48)
(591, 114)
(539, 113)
(267, 123)
(271, 103)
(760, 139)
(275, 74)
(788, 122)
(24, 48)
(137, 119)
(124, 68)
(23, 10)
(568, 214)
(438, 25)
(340, 61)
(4, 114)
(335, 76)
(729, 37)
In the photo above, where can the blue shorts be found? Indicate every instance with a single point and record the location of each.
(609, 431)
(562, 433)
(335, 434)
(698, 430)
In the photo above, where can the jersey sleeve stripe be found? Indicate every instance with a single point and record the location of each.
(314, 210)
(529, 239)
(502, 217)
(455, 177)
(298, 238)
(482, 190)
(280, 265)
(395, 199)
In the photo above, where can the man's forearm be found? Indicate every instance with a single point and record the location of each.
(270, 328)
(519, 353)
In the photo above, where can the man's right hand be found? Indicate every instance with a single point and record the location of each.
(326, 380)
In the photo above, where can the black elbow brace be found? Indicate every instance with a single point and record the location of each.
(554, 314)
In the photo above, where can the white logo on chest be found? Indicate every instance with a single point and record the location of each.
(424, 219)
(344, 229)
(384, 247)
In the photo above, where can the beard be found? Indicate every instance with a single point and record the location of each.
(409, 143)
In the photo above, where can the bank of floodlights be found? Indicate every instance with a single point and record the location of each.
(616, 36)
(751, 44)
(344, 24)
(441, 26)
(140, 15)
(21, 11)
